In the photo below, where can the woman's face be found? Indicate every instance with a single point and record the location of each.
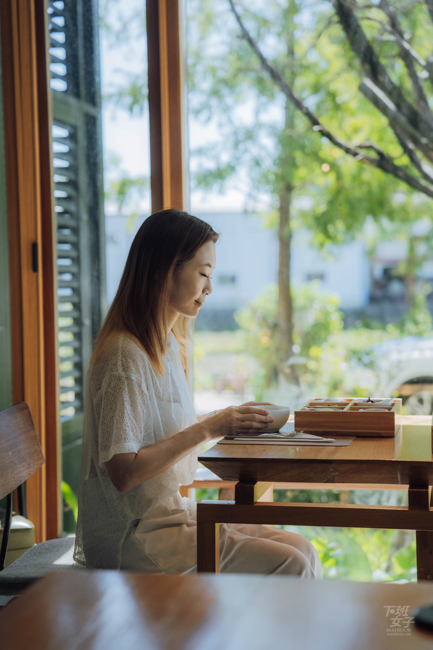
(192, 283)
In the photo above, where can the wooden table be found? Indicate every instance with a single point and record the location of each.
(111, 610)
(403, 461)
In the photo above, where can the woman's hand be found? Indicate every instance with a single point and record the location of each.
(235, 420)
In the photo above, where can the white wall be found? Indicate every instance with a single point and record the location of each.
(245, 252)
(249, 251)
(342, 269)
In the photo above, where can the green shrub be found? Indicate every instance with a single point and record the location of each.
(316, 319)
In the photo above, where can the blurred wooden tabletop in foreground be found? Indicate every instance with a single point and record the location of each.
(112, 610)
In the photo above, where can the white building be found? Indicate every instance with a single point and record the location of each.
(343, 269)
(247, 261)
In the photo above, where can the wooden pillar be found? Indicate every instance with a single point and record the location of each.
(166, 104)
(32, 294)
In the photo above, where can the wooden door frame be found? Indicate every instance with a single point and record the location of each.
(167, 104)
(26, 98)
(49, 278)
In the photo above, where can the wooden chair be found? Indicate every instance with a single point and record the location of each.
(20, 457)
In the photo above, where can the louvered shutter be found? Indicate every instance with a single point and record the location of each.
(68, 269)
(78, 191)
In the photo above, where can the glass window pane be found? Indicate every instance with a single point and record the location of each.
(101, 171)
(311, 153)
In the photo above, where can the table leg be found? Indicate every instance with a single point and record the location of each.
(208, 547)
(419, 499)
(248, 493)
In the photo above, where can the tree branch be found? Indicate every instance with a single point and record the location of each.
(374, 70)
(407, 147)
(383, 161)
(429, 5)
(389, 110)
(394, 36)
(406, 54)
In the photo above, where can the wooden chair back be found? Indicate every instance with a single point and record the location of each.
(20, 452)
(20, 456)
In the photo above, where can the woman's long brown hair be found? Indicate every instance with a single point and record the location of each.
(163, 243)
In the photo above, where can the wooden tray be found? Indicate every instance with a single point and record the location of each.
(351, 416)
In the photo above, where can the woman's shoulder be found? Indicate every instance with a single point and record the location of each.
(122, 354)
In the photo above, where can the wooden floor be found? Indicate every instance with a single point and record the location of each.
(110, 610)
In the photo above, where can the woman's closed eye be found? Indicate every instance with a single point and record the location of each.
(206, 276)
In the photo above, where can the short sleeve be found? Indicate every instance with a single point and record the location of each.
(125, 420)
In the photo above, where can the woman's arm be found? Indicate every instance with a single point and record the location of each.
(200, 418)
(128, 470)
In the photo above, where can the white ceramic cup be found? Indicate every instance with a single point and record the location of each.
(280, 415)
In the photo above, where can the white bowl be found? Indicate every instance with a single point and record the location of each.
(280, 415)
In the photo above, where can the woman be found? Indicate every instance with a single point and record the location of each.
(141, 436)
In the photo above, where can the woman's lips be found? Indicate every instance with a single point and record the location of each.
(199, 303)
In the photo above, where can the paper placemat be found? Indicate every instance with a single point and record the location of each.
(340, 442)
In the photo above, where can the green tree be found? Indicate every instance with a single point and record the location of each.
(267, 145)
(317, 318)
(390, 53)
(123, 28)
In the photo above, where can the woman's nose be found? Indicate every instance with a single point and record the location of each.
(208, 288)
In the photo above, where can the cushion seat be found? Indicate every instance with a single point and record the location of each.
(53, 555)
(21, 539)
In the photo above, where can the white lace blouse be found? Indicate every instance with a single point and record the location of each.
(129, 407)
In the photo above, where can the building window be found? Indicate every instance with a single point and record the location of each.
(310, 277)
(227, 279)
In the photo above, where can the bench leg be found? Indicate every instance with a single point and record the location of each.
(208, 548)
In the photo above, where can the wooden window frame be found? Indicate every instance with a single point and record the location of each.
(27, 119)
(167, 104)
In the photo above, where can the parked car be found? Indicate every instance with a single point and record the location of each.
(404, 367)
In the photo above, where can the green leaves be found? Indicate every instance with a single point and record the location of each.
(404, 562)
(124, 193)
(316, 319)
(363, 555)
(70, 498)
(229, 89)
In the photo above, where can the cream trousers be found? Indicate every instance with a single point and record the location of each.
(244, 548)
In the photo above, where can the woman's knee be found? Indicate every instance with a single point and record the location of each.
(307, 559)
(309, 552)
(295, 564)
(305, 547)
